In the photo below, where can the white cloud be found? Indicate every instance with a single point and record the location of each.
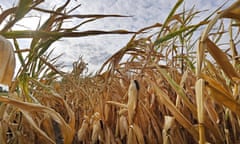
(95, 50)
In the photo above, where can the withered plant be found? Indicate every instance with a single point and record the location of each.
(173, 82)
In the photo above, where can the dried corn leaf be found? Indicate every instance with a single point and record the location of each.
(227, 136)
(3, 125)
(71, 122)
(200, 57)
(221, 59)
(2, 134)
(202, 44)
(217, 93)
(163, 98)
(233, 46)
(232, 12)
(151, 136)
(156, 129)
(7, 61)
(35, 126)
(179, 90)
(223, 99)
(131, 136)
(117, 104)
(213, 115)
(67, 131)
(109, 137)
(234, 123)
(217, 85)
(215, 72)
(48, 127)
(139, 134)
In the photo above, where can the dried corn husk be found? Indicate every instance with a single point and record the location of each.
(123, 126)
(7, 61)
(83, 131)
(168, 124)
(132, 100)
(97, 133)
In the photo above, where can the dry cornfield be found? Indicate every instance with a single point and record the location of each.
(173, 82)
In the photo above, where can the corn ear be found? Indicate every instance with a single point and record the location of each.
(132, 100)
(7, 61)
(82, 132)
(123, 126)
(96, 132)
(168, 124)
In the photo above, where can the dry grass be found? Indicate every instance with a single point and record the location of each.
(159, 88)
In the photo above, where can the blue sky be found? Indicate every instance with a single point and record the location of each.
(96, 49)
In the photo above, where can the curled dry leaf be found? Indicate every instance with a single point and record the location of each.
(7, 61)
(151, 136)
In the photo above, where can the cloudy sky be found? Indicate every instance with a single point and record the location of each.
(96, 49)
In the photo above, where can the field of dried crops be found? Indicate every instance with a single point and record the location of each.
(174, 82)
